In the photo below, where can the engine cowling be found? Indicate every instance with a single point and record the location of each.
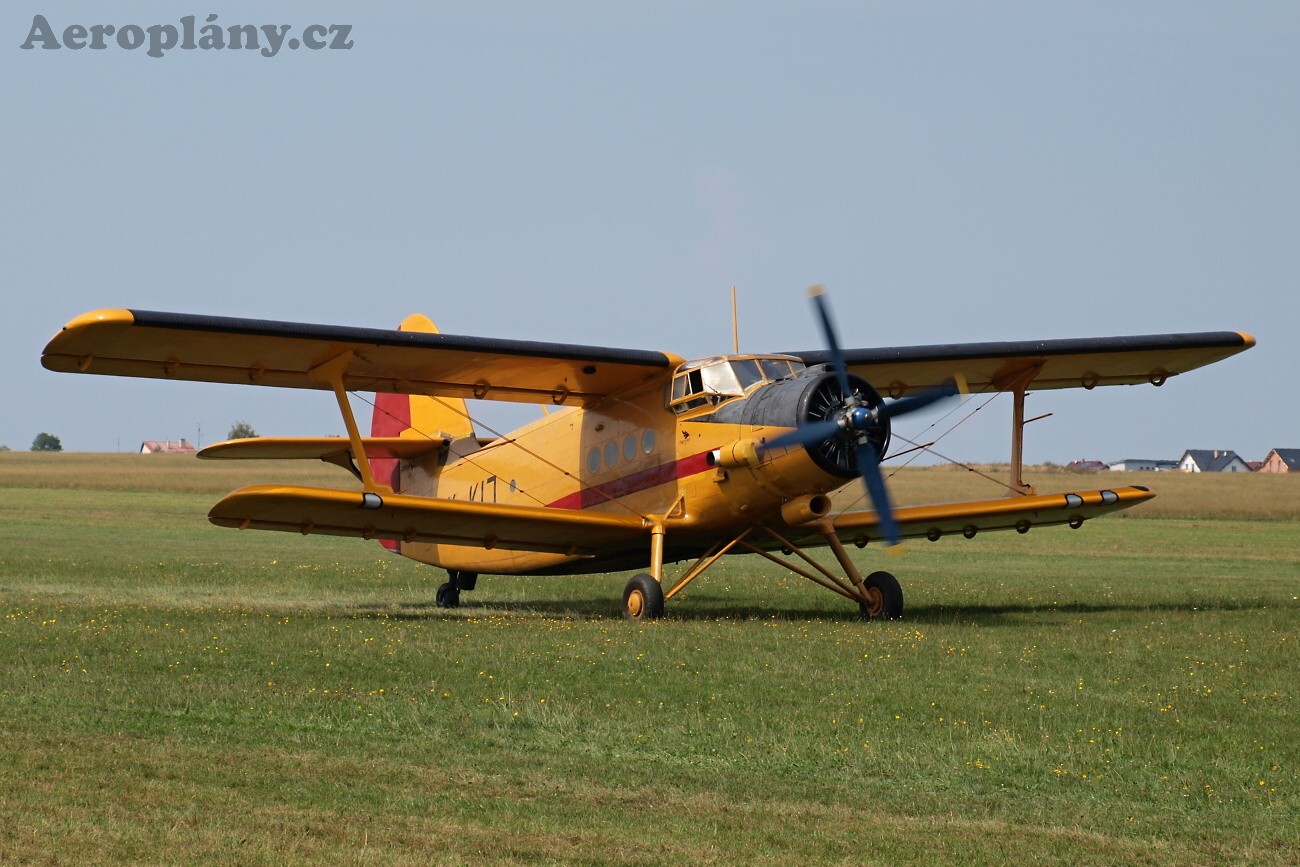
(813, 396)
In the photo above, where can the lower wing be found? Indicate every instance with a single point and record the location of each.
(1006, 513)
(425, 519)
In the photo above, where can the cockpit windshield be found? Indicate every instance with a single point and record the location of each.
(710, 381)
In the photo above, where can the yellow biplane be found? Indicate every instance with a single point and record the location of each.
(650, 459)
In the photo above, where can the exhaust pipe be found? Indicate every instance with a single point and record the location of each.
(807, 508)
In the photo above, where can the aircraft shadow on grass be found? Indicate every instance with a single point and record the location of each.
(605, 609)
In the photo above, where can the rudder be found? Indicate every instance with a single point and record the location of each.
(416, 415)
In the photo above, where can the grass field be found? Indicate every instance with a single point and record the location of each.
(171, 692)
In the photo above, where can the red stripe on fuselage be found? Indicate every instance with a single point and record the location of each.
(641, 481)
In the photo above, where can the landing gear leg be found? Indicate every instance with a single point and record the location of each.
(643, 597)
(878, 595)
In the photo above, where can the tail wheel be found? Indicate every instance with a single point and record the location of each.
(448, 596)
(643, 598)
(884, 597)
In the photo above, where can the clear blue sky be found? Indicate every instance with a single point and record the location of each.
(604, 172)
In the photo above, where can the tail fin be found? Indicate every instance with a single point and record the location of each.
(415, 415)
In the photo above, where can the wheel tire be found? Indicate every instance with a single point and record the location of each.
(643, 599)
(449, 596)
(884, 597)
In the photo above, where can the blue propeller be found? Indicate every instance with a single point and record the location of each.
(856, 419)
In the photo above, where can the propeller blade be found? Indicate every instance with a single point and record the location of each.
(869, 466)
(805, 435)
(818, 295)
(860, 418)
(904, 405)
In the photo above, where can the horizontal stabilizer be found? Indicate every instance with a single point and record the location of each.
(321, 448)
(424, 519)
(1005, 513)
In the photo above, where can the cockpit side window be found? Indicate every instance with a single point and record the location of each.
(680, 383)
(688, 390)
(775, 368)
(720, 379)
(747, 372)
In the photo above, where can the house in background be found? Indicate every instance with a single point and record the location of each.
(1212, 461)
(154, 447)
(1282, 461)
(1144, 465)
(1086, 466)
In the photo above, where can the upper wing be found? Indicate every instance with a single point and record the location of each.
(1005, 513)
(424, 519)
(1040, 364)
(262, 352)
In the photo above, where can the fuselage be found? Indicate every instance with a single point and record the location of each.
(684, 449)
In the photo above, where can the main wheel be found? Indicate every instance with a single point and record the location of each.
(643, 598)
(884, 597)
(449, 596)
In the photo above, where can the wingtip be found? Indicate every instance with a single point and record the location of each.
(418, 322)
(816, 290)
(114, 315)
(62, 353)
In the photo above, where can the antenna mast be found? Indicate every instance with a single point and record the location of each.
(735, 324)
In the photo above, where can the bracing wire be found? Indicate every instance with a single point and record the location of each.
(504, 439)
(917, 448)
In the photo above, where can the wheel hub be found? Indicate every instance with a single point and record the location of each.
(874, 601)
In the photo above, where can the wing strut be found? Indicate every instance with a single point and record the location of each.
(1016, 384)
(332, 372)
